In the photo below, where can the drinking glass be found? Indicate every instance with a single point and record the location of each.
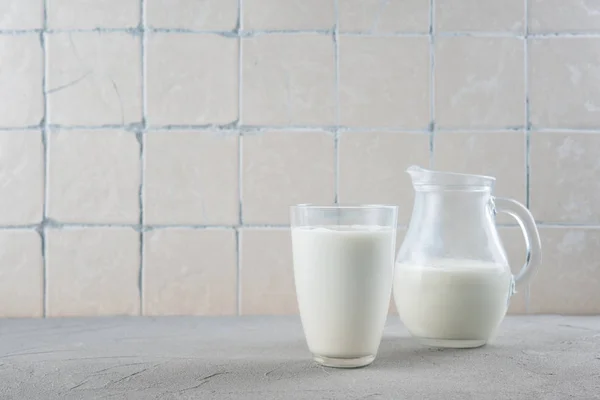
(343, 271)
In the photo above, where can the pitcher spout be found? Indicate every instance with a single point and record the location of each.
(424, 178)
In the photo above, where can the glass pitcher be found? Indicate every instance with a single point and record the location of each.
(452, 283)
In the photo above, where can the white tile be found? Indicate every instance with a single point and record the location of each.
(21, 274)
(288, 80)
(192, 79)
(89, 14)
(94, 177)
(563, 82)
(21, 178)
(288, 14)
(480, 15)
(191, 178)
(485, 153)
(21, 14)
(192, 14)
(479, 82)
(266, 272)
(568, 279)
(384, 82)
(190, 272)
(549, 16)
(387, 16)
(373, 168)
(281, 169)
(21, 73)
(94, 78)
(564, 171)
(93, 272)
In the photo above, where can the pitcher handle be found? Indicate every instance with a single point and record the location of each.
(530, 232)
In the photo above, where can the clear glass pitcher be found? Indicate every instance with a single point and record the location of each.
(452, 283)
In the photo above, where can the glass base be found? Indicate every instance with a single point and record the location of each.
(453, 344)
(344, 362)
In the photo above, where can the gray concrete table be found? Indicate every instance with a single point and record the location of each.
(548, 357)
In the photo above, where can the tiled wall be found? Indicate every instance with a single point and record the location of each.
(149, 149)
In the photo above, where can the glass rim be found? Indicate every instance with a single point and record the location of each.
(344, 206)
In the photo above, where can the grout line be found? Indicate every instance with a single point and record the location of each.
(28, 227)
(46, 145)
(565, 130)
(241, 33)
(232, 128)
(432, 124)
(19, 32)
(483, 130)
(142, 139)
(528, 298)
(240, 149)
(147, 228)
(238, 244)
(480, 34)
(131, 31)
(327, 32)
(527, 106)
(30, 127)
(336, 132)
(549, 35)
(527, 123)
(50, 224)
(385, 34)
(541, 224)
(235, 226)
(130, 127)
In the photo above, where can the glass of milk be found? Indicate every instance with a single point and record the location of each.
(453, 282)
(343, 271)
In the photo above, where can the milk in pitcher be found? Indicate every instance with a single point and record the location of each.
(452, 299)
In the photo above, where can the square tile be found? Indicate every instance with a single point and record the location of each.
(193, 14)
(387, 16)
(191, 178)
(190, 272)
(384, 82)
(568, 279)
(94, 78)
(21, 178)
(21, 92)
(94, 177)
(564, 171)
(373, 165)
(479, 82)
(288, 14)
(480, 15)
(549, 16)
(93, 272)
(288, 80)
(266, 272)
(183, 88)
(514, 246)
(89, 14)
(485, 154)
(21, 275)
(21, 14)
(563, 82)
(281, 169)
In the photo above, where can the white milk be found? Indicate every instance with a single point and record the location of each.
(343, 281)
(452, 299)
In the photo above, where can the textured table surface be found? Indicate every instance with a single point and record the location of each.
(543, 357)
